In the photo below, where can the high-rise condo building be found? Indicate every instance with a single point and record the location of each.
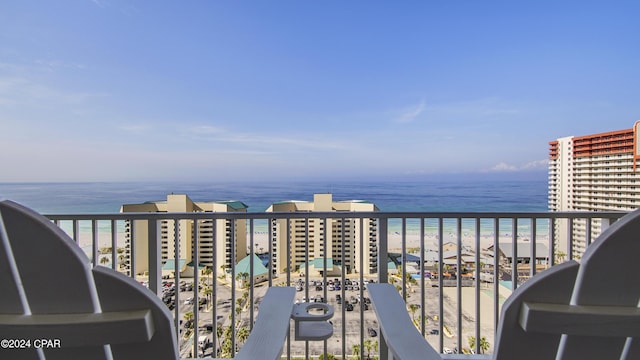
(329, 237)
(212, 240)
(593, 173)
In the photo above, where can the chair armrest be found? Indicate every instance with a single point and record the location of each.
(272, 326)
(118, 327)
(403, 339)
(585, 320)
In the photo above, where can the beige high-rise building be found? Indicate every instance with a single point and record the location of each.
(595, 172)
(185, 235)
(319, 240)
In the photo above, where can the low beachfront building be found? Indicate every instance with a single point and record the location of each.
(244, 268)
(317, 267)
(522, 256)
(211, 244)
(320, 243)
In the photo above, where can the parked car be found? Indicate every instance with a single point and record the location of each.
(338, 299)
(349, 307)
(372, 332)
(434, 332)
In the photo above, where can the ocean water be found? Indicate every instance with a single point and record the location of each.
(425, 196)
(486, 196)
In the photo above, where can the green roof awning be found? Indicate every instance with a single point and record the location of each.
(244, 266)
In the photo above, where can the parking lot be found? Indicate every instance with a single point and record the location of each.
(353, 314)
(349, 300)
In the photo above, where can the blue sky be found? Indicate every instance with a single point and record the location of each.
(102, 90)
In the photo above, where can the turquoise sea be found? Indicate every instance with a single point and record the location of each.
(460, 195)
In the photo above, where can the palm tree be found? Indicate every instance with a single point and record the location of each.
(207, 271)
(355, 349)
(239, 314)
(560, 256)
(104, 260)
(208, 292)
(219, 332)
(243, 276)
(370, 346)
(188, 319)
(226, 348)
(243, 334)
(411, 280)
(483, 345)
(224, 271)
(413, 308)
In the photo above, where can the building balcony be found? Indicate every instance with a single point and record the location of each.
(448, 306)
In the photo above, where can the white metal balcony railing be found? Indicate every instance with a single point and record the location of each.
(448, 306)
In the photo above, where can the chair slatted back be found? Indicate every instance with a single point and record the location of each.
(49, 287)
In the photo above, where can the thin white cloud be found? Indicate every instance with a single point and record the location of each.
(504, 167)
(532, 165)
(410, 114)
(54, 65)
(205, 130)
(16, 90)
(537, 164)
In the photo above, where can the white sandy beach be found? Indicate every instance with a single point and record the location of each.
(412, 240)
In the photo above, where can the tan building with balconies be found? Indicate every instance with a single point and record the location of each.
(595, 172)
(210, 243)
(328, 237)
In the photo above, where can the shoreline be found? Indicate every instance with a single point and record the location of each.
(394, 240)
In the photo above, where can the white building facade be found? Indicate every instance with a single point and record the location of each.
(595, 172)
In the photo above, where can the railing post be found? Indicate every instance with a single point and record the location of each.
(155, 257)
(383, 250)
(383, 277)
(94, 243)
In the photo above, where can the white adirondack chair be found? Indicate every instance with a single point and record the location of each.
(49, 291)
(581, 311)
